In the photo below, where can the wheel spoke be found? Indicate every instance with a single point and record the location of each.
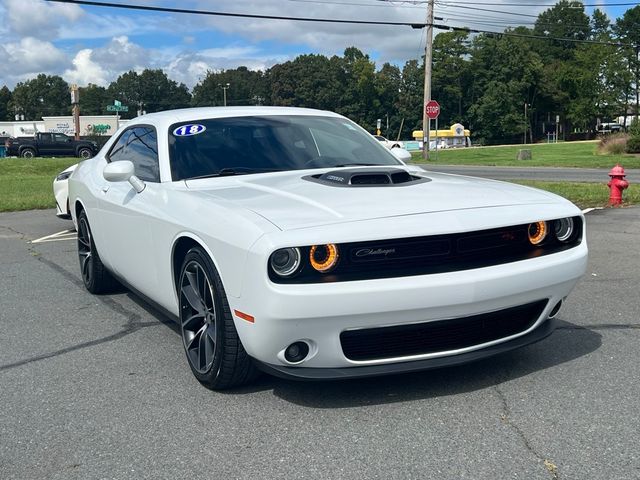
(193, 298)
(198, 316)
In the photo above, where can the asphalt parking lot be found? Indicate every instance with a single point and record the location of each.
(98, 387)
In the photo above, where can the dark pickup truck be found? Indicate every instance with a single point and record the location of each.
(50, 144)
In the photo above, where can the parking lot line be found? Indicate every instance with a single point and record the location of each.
(57, 237)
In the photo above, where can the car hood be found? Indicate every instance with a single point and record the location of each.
(289, 201)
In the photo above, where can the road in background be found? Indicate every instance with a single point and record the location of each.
(592, 175)
(99, 387)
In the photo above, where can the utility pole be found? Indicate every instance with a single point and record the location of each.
(224, 92)
(428, 58)
(525, 124)
(75, 102)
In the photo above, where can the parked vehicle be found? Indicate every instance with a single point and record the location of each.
(605, 128)
(389, 143)
(50, 144)
(289, 240)
(61, 192)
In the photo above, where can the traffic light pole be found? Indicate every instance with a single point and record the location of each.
(428, 58)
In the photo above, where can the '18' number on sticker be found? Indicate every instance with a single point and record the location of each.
(187, 130)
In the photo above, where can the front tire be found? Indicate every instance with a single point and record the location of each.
(214, 350)
(95, 276)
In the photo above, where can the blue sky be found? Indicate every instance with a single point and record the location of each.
(95, 45)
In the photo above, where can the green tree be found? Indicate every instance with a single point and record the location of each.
(150, 91)
(411, 96)
(5, 100)
(506, 75)
(45, 95)
(307, 81)
(627, 29)
(450, 79)
(94, 100)
(246, 87)
(566, 19)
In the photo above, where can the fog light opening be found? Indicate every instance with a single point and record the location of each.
(296, 352)
(554, 311)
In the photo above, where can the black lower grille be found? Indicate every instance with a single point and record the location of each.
(438, 336)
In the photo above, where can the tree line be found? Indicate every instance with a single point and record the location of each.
(485, 81)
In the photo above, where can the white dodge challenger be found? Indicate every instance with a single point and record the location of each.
(290, 241)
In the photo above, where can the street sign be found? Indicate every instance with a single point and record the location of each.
(432, 109)
(117, 108)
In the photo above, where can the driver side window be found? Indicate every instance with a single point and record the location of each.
(140, 146)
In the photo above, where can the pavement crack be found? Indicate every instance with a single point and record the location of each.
(133, 321)
(505, 417)
(127, 330)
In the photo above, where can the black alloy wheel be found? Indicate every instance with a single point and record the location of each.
(95, 276)
(214, 350)
(198, 316)
(85, 153)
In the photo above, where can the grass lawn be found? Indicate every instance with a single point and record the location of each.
(26, 184)
(584, 195)
(566, 154)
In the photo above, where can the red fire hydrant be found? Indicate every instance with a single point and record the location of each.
(617, 184)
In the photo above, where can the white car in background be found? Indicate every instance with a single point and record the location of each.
(289, 240)
(61, 192)
(389, 143)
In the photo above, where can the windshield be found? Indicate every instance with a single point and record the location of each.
(244, 145)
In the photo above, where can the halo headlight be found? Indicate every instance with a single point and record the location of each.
(537, 232)
(285, 261)
(563, 228)
(324, 258)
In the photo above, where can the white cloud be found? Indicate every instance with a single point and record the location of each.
(86, 70)
(29, 57)
(37, 18)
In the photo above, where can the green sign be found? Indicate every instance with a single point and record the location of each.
(117, 108)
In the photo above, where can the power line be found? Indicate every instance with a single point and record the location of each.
(416, 25)
(500, 4)
(600, 5)
(149, 8)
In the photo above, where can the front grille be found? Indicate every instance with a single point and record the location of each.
(438, 336)
(453, 252)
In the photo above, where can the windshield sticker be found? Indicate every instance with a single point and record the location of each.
(188, 130)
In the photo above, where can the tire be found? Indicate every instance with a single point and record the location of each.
(85, 153)
(95, 276)
(211, 343)
(28, 153)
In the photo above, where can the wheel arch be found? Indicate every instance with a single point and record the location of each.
(181, 245)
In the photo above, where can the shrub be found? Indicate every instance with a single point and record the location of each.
(615, 144)
(633, 145)
(634, 129)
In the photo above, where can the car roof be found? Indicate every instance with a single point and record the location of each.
(166, 118)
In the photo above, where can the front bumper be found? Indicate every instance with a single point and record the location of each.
(305, 373)
(318, 313)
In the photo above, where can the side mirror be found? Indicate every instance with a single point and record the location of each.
(401, 154)
(123, 171)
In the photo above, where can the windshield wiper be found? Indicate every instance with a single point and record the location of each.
(230, 171)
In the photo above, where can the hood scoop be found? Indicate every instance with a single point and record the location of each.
(367, 177)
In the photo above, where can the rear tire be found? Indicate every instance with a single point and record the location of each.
(85, 153)
(214, 350)
(95, 276)
(28, 153)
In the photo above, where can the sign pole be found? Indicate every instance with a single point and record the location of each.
(428, 57)
(436, 139)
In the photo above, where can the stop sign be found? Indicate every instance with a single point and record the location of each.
(432, 109)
